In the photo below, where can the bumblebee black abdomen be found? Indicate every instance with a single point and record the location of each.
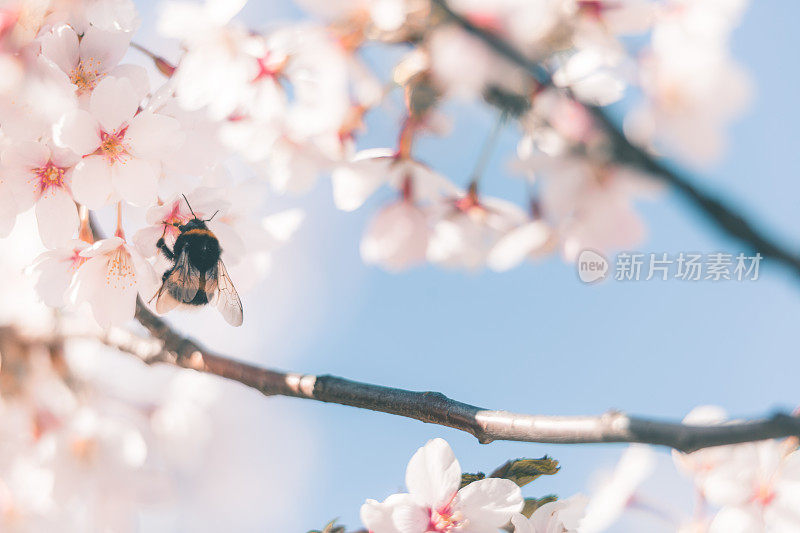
(201, 298)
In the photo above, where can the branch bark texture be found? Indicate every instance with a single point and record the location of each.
(486, 425)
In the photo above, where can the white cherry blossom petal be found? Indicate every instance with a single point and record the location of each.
(522, 524)
(136, 181)
(60, 45)
(78, 131)
(25, 155)
(379, 516)
(152, 135)
(433, 474)
(736, 520)
(91, 182)
(113, 103)
(222, 11)
(113, 15)
(355, 182)
(488, 503)
(136, 75)
(54, 270)
(397, 238)
(105, 48)
(8, 210)
(57, 218)
(518, 244)
(102, 247)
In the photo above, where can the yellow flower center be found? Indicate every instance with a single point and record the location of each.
(112, 145)
(444, 520)
(120, 273)
(48, 177)
(86, 75)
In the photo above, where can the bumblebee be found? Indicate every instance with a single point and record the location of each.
(197, 275)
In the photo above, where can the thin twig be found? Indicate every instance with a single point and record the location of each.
(436, 408)
(725, 217)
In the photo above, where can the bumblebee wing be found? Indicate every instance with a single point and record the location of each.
(180, 286)
(165, 302)
(227, 299)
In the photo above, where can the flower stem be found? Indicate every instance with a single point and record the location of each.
(406, 141)
(119, 232)
(85, 231)
(164, 67)
(487, 149)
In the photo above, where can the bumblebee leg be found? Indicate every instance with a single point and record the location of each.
(161, 245)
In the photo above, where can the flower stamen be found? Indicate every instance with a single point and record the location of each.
(86, 75)
(120, 273)
(444, 520)
(112, 145)
(48, 177)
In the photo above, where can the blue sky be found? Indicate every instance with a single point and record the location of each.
(533, 340)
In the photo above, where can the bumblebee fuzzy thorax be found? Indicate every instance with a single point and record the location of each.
(199, 243)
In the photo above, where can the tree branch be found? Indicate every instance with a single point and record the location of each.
(725, 217)
(436, 408)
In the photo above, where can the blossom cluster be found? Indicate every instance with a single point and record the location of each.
(752, 488)
(82, 130)
(78, 455)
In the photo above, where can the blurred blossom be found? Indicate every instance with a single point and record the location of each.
(562, 516)
(397, 237)
(756, 485)
(618, 491)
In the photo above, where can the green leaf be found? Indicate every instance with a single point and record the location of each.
(523, 471)
(531, 504)
(466, 479)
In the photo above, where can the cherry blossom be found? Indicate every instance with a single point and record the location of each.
(529, 240)
(114, 274)
(756, 484)
(55, 270)
(758, 489)
(618, 490)
(221, 59)
(122, 146)
(561, 516)
(87, 59)
(590, 204)
(468, 227)
(397, 238)
(106, 15)
(682, 75)
(702, 462)
(368, 170)
(40, 174)
(463, 67)
(435, 503)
